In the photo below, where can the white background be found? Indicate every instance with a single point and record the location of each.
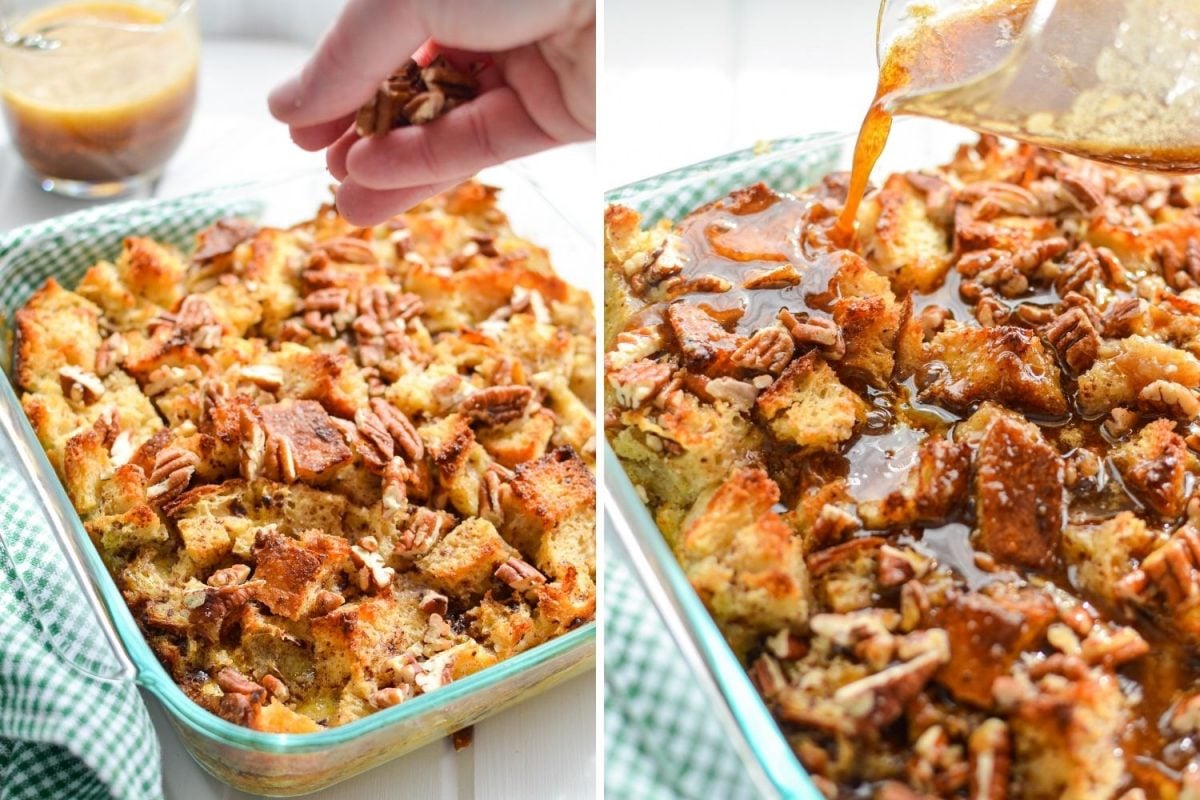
(544, 748)
(685, 80)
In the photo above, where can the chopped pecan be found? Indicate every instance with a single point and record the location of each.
(414, 96)
(229, 576)
(995, 198)
(80, 386)
(878, 700)
(1120, 422)
(497, 405)
(1074, 339)
(233, 682)
(1112, 647)
(276, 687)
(933, 319)
(1173, 570)
(434, 603)
(823, 334)
(520, 575)
(327, 601)
(769, 349)
(391, 696)
(370, 573)
(165, 378)
(779, 277)
(424, 529)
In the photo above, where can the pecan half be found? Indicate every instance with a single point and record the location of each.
(496, 405)
(1121, 316)
(1074, 339)
(374, 443)
(636, 384)
(767, 350)
(229, 576)
(221, 238)
(403, 432)
(173, 470)
(1171, 398)
(233, 682)
(111, 353)
(520, 575)
(80, 386)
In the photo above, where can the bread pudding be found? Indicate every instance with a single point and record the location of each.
(937, 487)
(329, 468)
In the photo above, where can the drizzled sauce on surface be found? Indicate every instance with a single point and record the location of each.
(772, 249)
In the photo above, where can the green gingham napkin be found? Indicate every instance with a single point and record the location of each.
(66, 731)
(661, 740)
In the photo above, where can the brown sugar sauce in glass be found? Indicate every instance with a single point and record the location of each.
(106, 103)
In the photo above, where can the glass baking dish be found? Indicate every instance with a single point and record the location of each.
(784, 165)
(265, 763)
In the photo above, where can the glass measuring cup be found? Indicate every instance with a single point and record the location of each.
(1114, 80)
(97, 94)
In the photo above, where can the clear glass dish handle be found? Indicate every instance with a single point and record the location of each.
(35, 473)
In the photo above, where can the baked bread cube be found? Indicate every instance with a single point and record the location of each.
(808, 406)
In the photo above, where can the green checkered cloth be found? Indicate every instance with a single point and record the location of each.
(660, 740)
(660, 737)
(66, 731)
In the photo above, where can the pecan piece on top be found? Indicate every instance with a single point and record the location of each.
(173, 470)
(80, 386)
(637, 383)
(374, 443)
(823, 334)
(497, 405)
(1121, 317)
(400, 427)
(1075, 340)
(520, 575)
(222, 238)
(768, 350)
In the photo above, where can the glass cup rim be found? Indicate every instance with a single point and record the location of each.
(178, 10)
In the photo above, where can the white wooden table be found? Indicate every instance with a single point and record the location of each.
(544, 748)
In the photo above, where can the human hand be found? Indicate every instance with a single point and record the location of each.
(538, 92)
